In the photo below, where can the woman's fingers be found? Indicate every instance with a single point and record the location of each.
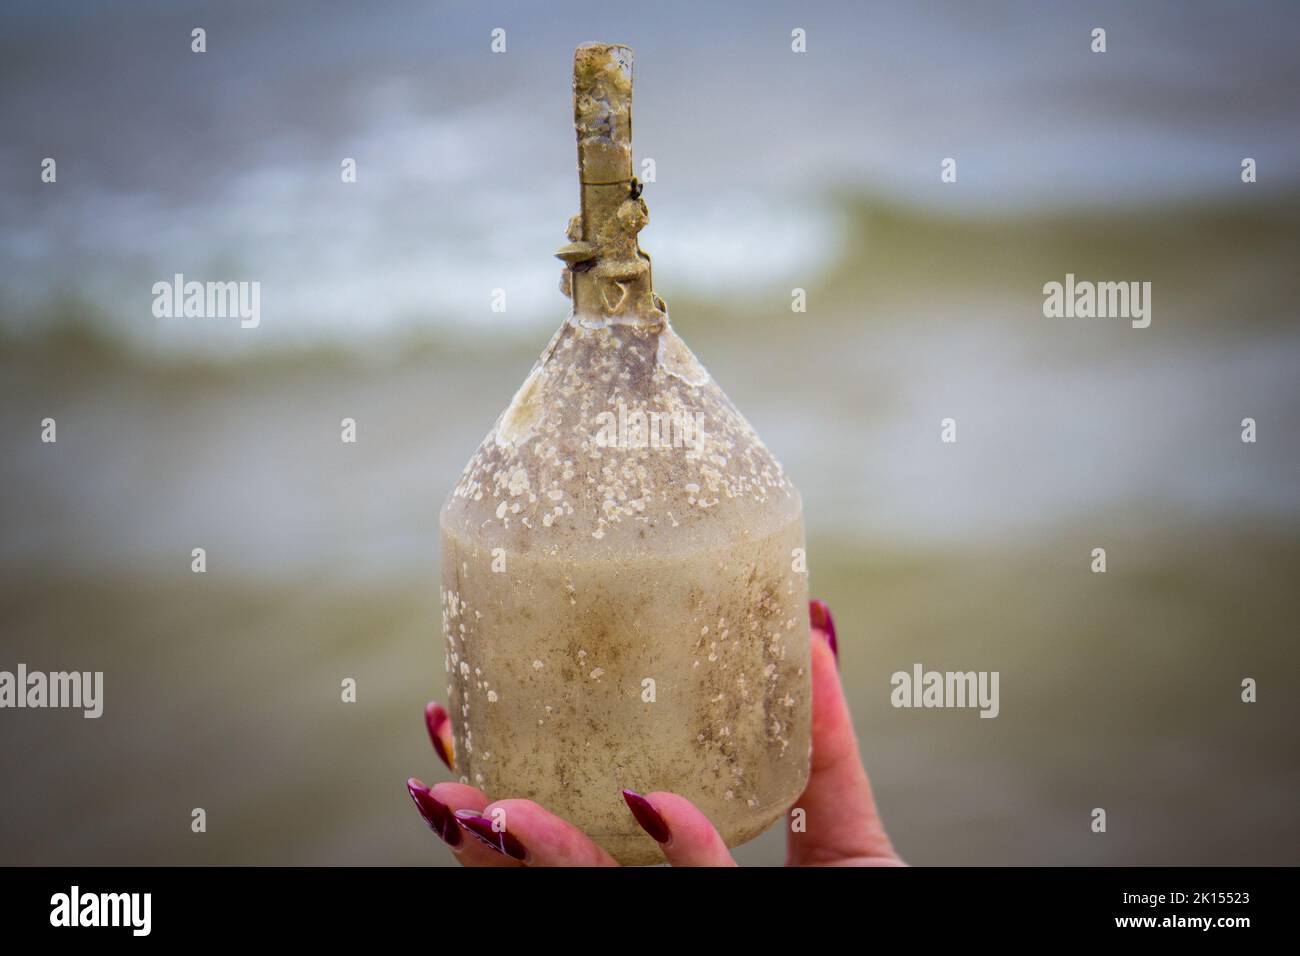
(438, 723)
(521, 830)
(839, 813)
(438, 806)
(685, 835)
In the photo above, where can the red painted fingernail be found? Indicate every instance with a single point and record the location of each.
(820, 615)
(435, 719)
(646, 815)
(503, 841)
(436, 813)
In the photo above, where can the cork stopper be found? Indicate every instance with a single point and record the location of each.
(606, 273)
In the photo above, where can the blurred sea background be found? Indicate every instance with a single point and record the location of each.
(774, 170)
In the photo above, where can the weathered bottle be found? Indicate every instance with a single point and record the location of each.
(624, 600)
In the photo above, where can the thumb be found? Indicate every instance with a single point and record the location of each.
(841, 821)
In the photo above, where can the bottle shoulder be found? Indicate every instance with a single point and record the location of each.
(619, 439)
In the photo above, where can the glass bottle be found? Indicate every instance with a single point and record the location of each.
(624, 601)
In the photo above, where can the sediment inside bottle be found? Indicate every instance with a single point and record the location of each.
(688, 672)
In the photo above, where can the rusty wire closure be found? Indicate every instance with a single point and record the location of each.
(606, 273)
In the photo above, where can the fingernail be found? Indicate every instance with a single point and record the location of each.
(436, 813)
(820, 615)
(503, 841)
(646, 815)
(436, 719)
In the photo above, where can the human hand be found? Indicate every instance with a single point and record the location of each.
(843, 827)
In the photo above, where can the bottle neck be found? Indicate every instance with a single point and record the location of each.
(606, 273)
